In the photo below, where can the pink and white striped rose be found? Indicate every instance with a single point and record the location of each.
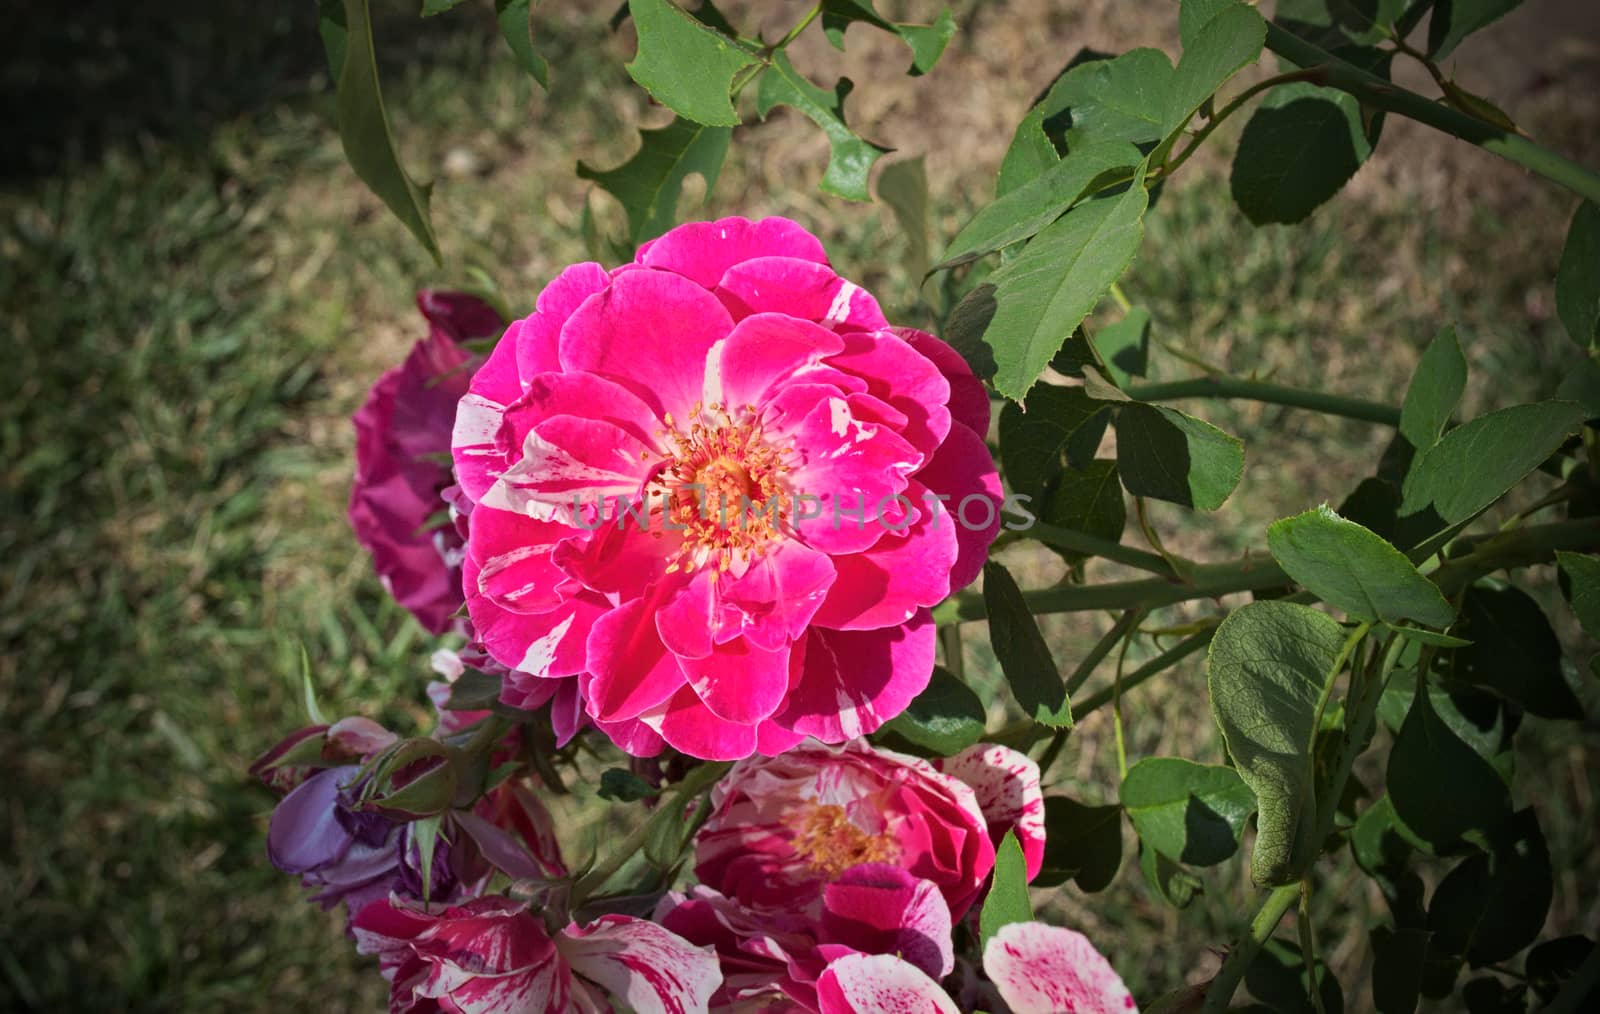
(711, 384)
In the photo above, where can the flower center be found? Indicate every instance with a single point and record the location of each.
(722, 485)
(831, 843)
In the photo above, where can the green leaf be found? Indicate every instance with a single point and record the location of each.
(1023, 212)
(1334, 23)
(1121, 99)
(432, 7)
(425, 835)
(1299, 148)
(1578, 277)
(1007, 901)
(620, 785)
(1024, 657)
(1493, 905)
(649, 183)
(903, 186)
(1352, 569)
(1583, 577)
(945, 718)
(474, 691)
(1278, 978)
(308, 689)
(927, 42)
(335, 34)
(364, 126)
(1549, 965)
(1435, 390)
(1190, 812)
(1171, 456)
(1444, 794)
(1271, 662)
(1474, 464)
(1045, 293)
(1229, 40)
(1054, 425)
(850, 158)
(1397, 961)
(1089, 500)
(1082, 844)
(1454, 20)
(1173, 883)
(1124, 346)
(516, 26)
(1514, 652)
(1475, 717)
(685, 65)
(1384, 855)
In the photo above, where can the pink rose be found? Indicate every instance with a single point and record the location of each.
(492, 956)
(717, 487)
(402, 438)
(782, 828)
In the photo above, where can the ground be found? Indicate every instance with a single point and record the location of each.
(199, 293)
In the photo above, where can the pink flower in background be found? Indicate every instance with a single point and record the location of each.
(492, 956)
(402, 448)
(879, 984)
(712, 385)
(783, 827)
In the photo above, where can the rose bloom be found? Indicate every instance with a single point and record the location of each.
(782, 828)
(402, 443)
(492, 956)
(793, 476)
(826, 852)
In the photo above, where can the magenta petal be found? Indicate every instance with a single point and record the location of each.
(799, 288)
(880, 909)
(539, 342)
(543, 645)
(690, 727)
(633, 671)
(772, 739)
(460, 315)
(906, 379)
(1006, 784)
(568, 465)
(963, 471)
(632, 737)
(969, 401)
(853, 681)
(474, 440)
(651, 969)
(1042, 969)
(738, 681)
(620, 560)
(578, 394)
(773, 601)
(879, 984)
(684, 623)
(703, 251)
(650, 331)
(762, 350)
(512, 553)
(885, 584)
(854, 469)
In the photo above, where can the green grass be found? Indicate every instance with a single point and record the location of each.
(194, 313)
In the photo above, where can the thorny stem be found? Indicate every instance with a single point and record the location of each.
(1276, 394)
(1227, 111)
(1244, 952)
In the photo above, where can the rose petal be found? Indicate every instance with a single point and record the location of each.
(799, 288)
(879, 984)
(1041, 969)
(703, 251)
(651, 969)
(853, 681)
(650, 331)
(1006, 784)
(881, 909)
(963, 473)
